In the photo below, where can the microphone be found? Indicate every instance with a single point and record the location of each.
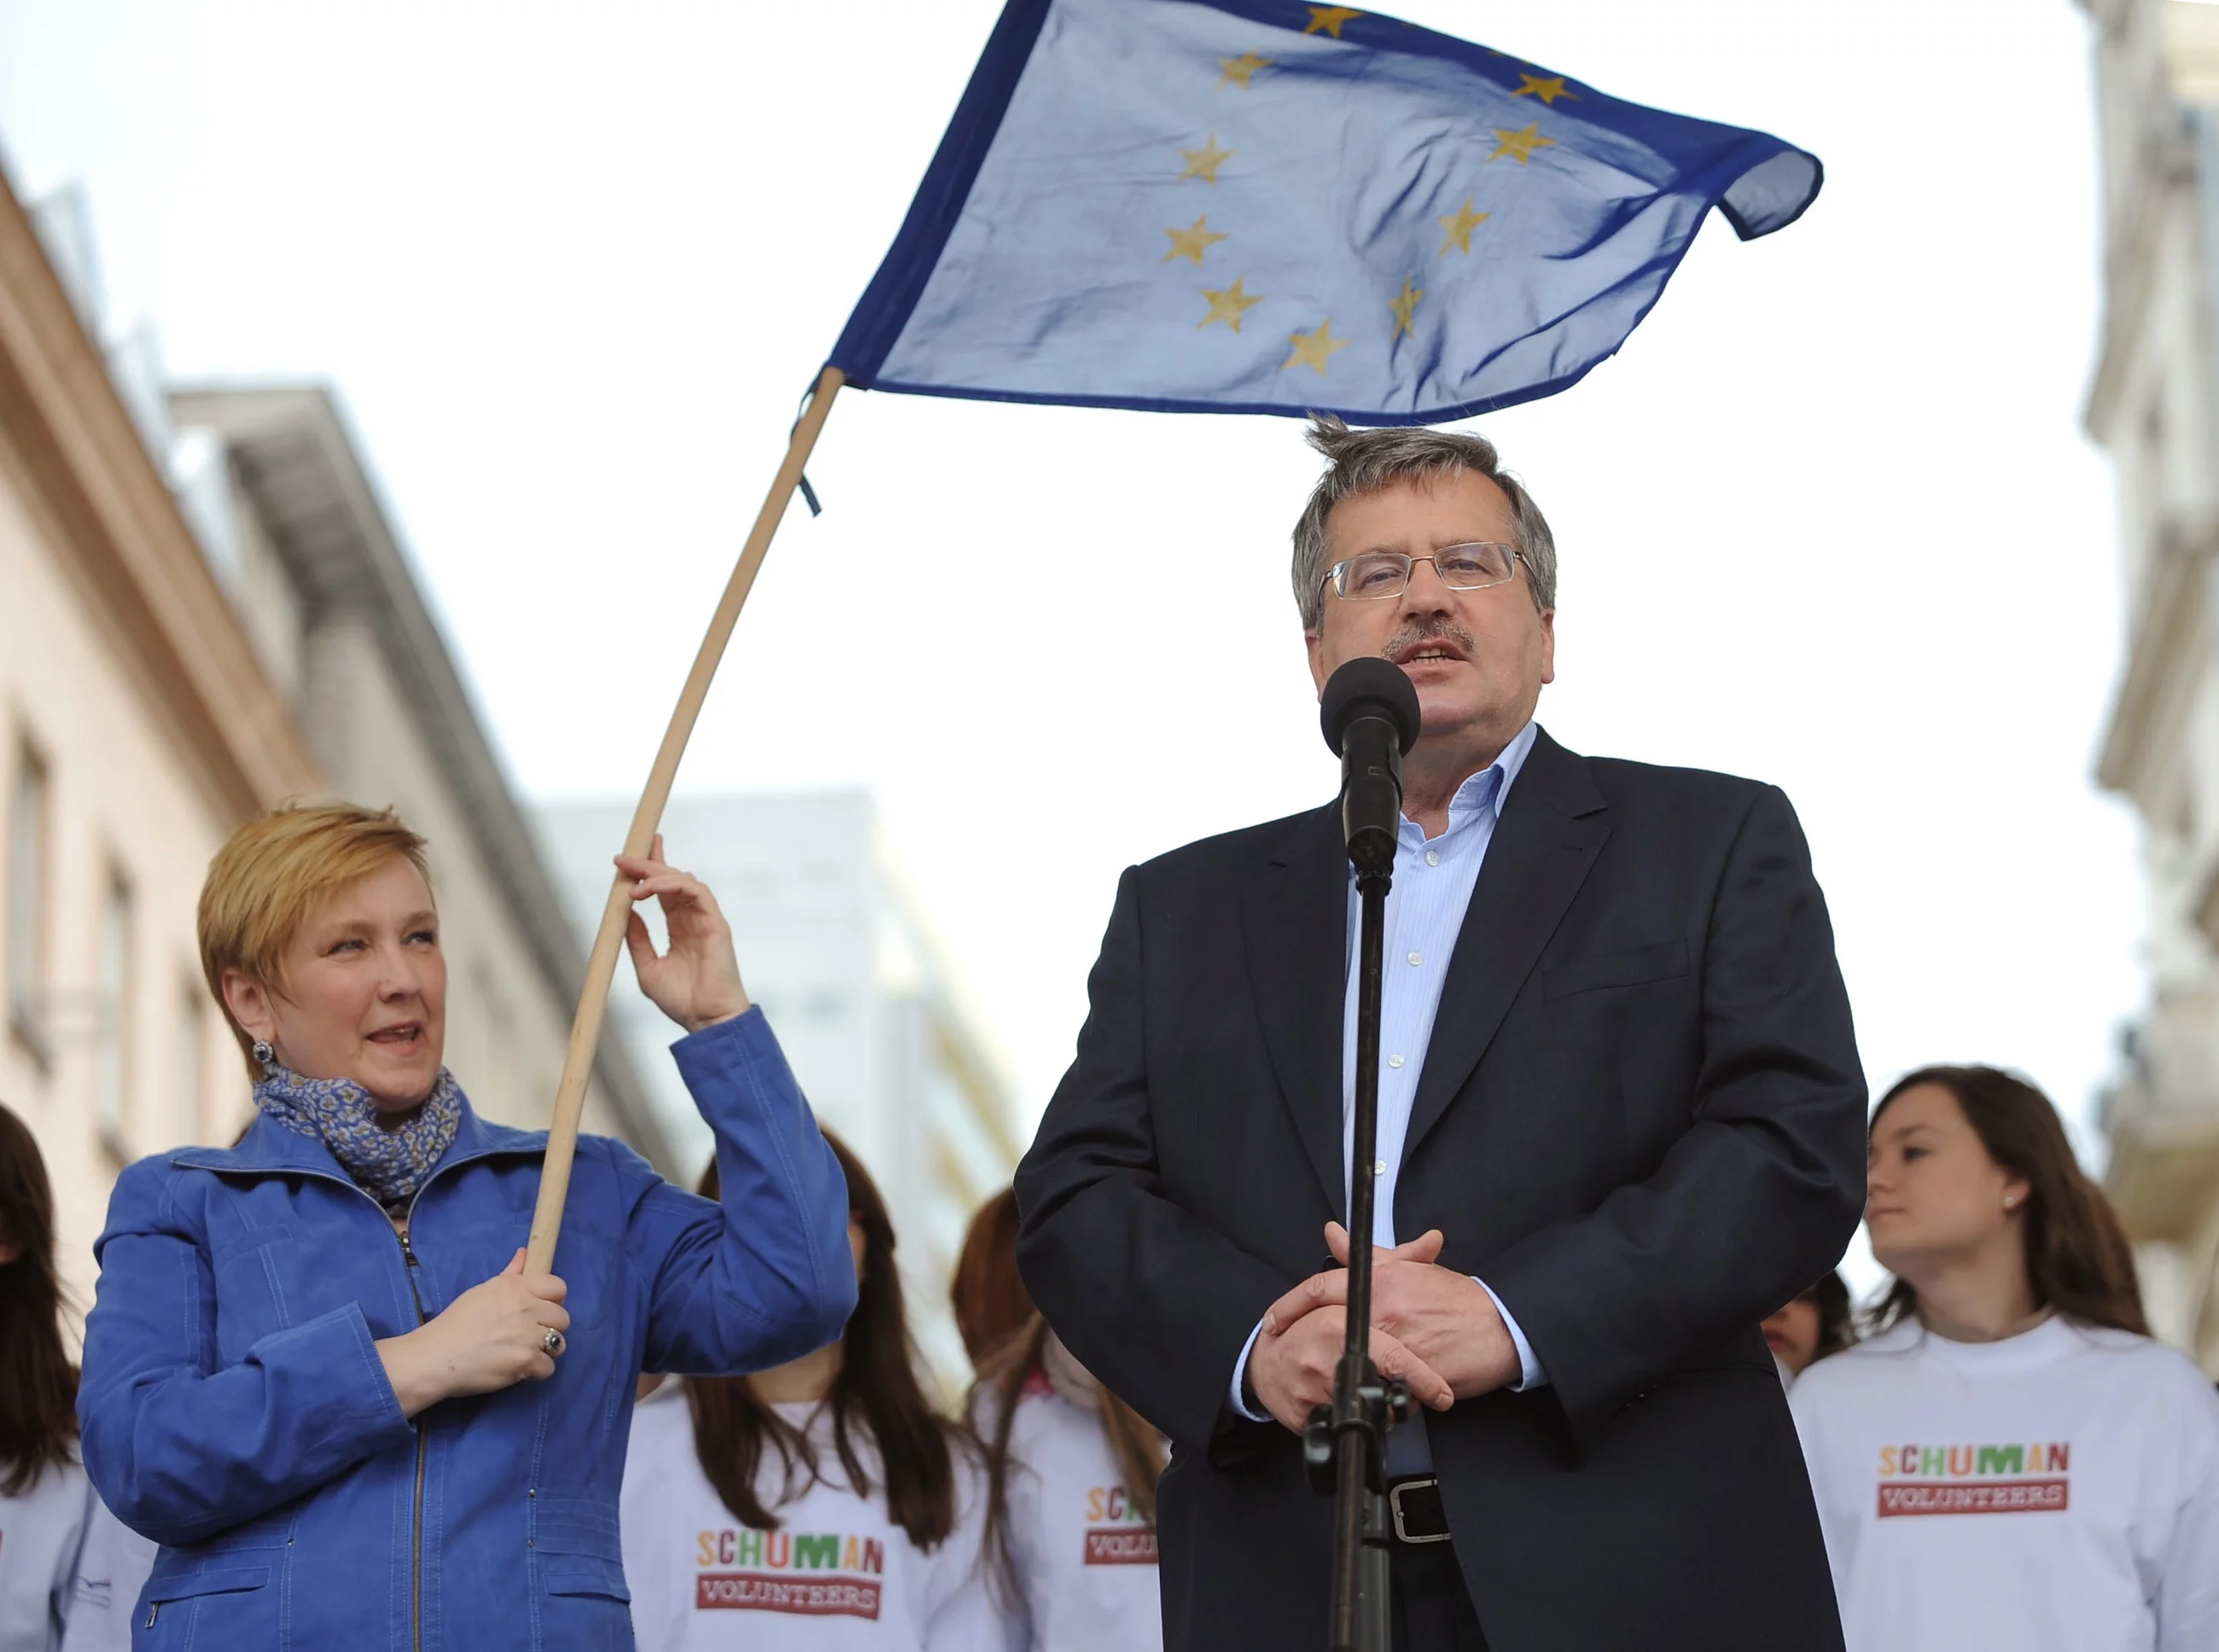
(1370, 715)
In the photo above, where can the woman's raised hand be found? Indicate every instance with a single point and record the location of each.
(697, 982)
(493, 1335)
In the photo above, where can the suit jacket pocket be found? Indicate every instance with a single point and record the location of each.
(1631, 968)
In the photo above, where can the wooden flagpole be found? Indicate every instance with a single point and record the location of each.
(601, 963)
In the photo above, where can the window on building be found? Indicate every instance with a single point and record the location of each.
(29, 872)
(111, 1045)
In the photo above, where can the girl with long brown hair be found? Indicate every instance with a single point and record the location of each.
(45, 1500)
(1070, 1469)
(2012, 1374)
(821, 1505)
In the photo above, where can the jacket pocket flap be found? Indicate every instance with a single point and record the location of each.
(584, 1574)
(1631, 968)
(575, 1525)
(245, 1241)
(214, 1580)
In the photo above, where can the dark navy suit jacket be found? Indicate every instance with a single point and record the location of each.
(1640, 1119)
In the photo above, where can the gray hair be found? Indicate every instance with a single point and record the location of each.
(1363, 461)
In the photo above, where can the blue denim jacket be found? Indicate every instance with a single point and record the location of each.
(235, 1410)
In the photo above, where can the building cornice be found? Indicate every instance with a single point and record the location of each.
(2162, 178)
(112, 521)
(2164, 652)
(2162, 1169)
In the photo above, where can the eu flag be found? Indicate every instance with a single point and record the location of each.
(1264, 206)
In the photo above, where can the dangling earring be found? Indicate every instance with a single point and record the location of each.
(265, 1053)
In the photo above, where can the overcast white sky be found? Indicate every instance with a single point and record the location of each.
(1828, 520)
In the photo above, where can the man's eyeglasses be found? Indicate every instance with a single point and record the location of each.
(1378, 574)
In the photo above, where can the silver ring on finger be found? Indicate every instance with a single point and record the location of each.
(553, 1342)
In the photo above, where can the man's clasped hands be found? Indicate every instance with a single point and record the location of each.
(1437, 1329)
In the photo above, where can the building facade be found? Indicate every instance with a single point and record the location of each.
(835, 948)
(2152, 406)
(138, 729)
(204, 613)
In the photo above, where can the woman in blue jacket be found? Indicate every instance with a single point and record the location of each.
(316, 1373)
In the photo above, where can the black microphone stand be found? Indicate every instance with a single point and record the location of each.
(1345, 1445)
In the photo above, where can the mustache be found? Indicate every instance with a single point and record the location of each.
(1411, 635)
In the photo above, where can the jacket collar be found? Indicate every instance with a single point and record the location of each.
(1552, 829)
(269, 1148)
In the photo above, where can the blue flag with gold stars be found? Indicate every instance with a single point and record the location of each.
(1263, 206)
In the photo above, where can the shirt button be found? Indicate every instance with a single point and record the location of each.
(1432, 857)
(1393, 1060)
(1417, 958)
(1379, 1167)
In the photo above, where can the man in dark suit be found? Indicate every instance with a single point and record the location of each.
(1621, 1120)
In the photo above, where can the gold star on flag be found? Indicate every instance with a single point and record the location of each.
(1548, 91)
(1229, 305)
(1330, 18)
(1193, 241)
(1519, 146)
(1315, 348)
(1204, 162)
(1460, 225)
(1237, 70)
(1405, 304)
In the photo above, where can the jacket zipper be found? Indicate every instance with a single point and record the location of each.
(423, 1448)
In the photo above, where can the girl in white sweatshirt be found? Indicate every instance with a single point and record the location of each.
(1072, 1469)
(44, 1499)
(2012, 1460)
(69, 1572)
(823, 1506)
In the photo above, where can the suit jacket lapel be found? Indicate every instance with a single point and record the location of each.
(1543, 848)
(1295, 918)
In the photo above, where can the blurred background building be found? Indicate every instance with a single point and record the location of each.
(204, 612)
(139, 728)
(2153, 406)
(304, 545)
(834, 947)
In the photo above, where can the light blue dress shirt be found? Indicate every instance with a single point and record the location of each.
(1426, 905)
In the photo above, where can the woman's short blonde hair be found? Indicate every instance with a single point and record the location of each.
(263, 883)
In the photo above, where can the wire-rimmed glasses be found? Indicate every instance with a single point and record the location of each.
(1379, 574)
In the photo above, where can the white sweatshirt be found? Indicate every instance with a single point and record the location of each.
(2058, 1489)
(836, 1576)
(112, 1568)
(41, 1532)
(1085, 1561)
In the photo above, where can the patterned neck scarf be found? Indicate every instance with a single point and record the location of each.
(387, 1165)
